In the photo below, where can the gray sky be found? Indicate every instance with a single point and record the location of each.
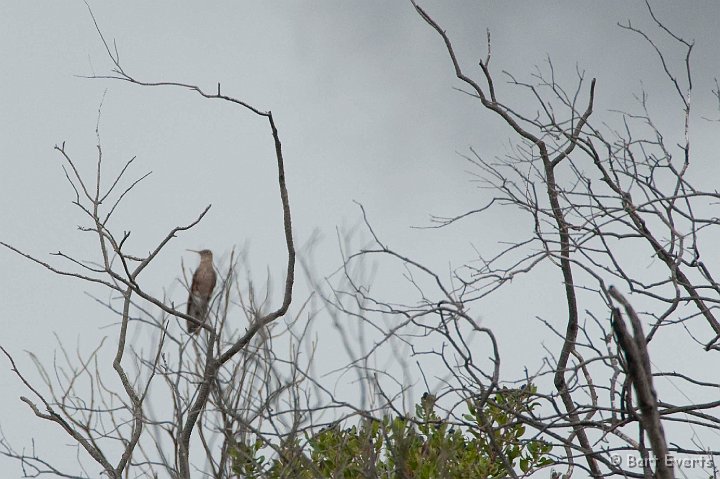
(362, 93)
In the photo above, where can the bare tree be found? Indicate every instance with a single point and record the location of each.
(121, 417)
(605, 405)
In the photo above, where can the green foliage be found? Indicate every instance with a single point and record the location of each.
(424, 447)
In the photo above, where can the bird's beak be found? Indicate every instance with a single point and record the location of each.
(193, 250)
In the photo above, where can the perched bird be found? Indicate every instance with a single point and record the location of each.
(203, 283)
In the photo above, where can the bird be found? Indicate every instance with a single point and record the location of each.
(203, 283)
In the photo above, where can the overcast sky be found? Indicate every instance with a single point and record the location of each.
(362, 93)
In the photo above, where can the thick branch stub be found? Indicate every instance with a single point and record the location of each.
(637, 358)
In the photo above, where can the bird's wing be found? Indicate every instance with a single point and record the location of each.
(193, 289)
(195, 285)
